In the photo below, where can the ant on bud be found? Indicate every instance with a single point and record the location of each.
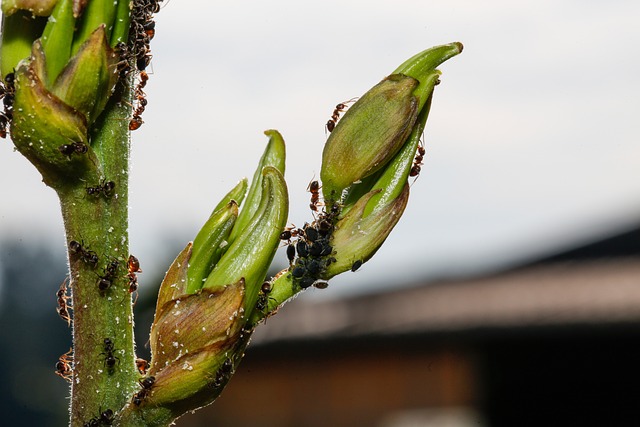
(340, 108)
(417, 162)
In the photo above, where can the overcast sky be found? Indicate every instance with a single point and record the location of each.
(532, 143)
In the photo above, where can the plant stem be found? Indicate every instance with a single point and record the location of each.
(100, 223)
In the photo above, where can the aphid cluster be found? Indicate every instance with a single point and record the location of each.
(105, 188)
(340, 108)
(63, 307)
(87, 256)
(104, 419)
(108, 275)
(146, 385)
(309, 249)
(110, 359)
(63, 365)
(417, 162)
(7, 93)
(133, 267)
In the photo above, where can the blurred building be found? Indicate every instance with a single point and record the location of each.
(552, 343)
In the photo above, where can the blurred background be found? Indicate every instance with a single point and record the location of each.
(508, 294)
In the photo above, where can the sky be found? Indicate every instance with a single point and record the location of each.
(533, 141)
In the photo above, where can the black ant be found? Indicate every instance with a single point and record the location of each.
(63, 308)
(417, 162)
(109, 358)
(104, 188)
(109, 273)
(75, 147)
(104, 419)
(146, 385)
(7, 93)
(223, 373)
(87, 256)
(314, 189)
(63, 365)
(142, 366)
(340, 108)
(263, 297)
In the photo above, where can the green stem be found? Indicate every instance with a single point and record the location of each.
(100, 224)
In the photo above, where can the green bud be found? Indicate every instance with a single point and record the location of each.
(357, 236)
(370, 133)
(35, 7)
(250, 254)
(210, 244)
(43, 123)
(274, 155)
(88, 79)
(191, 336)
(18, 33)
(57, 38)
(96, 14)
(377, 126)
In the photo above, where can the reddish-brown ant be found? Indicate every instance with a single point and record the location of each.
(417, 162)
(63, 308)
(314, 189)
(133, 267)
(63, 365)
(136, 119)
(142, 366)
(340, 108)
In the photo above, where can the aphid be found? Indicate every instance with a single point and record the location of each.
(223, 373)
(104, 188)
(63, 308)
(146, 385)
(291, 253)
(109, 358)
(321, 284)
(87, 256)
(142, 366)
(340, 108)
(302, 248)
(314, 189)
(417, 162)
(63, 365)
(305, 282)
(356, 265)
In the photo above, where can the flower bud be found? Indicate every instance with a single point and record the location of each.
(42, 123)
(377, 126)
(357, 236)
(88, 79)
(250, 254)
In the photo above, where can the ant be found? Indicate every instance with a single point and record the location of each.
(109, 273)
(133, 267)
(136, 119)
(105, 188)
(63, 365)
(75, 147)
(314, 189)
(63, 308)
(104, 419)
(340, 108)
(263, 297)
(7, 93)
(87, 256)
(417, 162)
(146, 385)
(142, 366)
(109, 358)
